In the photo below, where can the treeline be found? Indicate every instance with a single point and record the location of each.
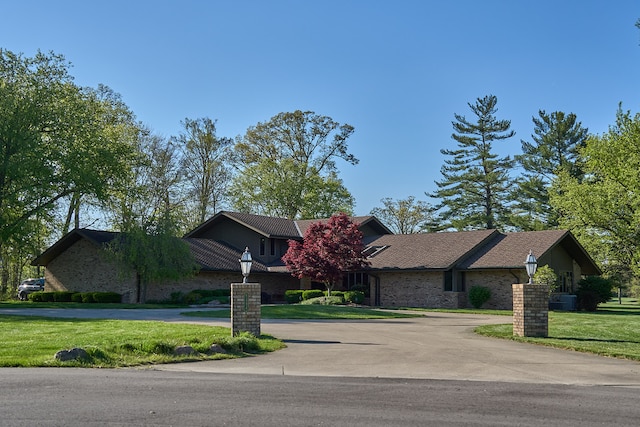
(73, 156)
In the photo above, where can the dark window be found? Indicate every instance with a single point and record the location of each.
(454, 282)
(448, 281)
(273, 246)
(262, 246)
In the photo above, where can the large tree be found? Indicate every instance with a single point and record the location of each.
(328, 251)
(557, 139)
(56, 140)
(288, 163)
(603, 208)
(474, 191)
(206, 163)
(406, 216)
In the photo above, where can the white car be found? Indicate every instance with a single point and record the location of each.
(28, 286)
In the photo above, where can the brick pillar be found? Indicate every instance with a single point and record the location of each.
(245, 308)
(530, 310)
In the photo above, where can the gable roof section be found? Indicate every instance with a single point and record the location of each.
(437, 251)
(362, 221)
(96, 237)
(267, 226)
(216, 256)
(510, 250)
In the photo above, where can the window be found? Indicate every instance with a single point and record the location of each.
(356, 282)
(454, 281)
(273, 246)
(566, 282)
(262, 245)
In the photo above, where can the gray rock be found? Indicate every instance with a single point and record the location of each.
(184, 350)
(217, 348)
(73, 354)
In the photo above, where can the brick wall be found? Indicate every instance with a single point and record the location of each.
(417, 289)
(245, 308)
(530, 310)
(85, 268)
(499, 283)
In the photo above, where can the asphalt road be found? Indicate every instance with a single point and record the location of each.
(126, 397)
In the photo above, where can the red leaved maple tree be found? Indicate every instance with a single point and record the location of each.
(328, 250)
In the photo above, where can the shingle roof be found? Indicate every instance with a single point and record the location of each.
(216, 256)
(424, 251)
(303, 224)
(94, 236)
(510, 250)
(268, 226)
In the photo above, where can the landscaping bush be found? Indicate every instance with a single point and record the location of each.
(87, 297)
(354, 297)
(76, 297)
(332, 300)
(312, 293)
(37, 296)
(203, 296)
(293, 296)
(107, 297)
(62, 296)
(593, 290)
(339, 294)
(478, 295)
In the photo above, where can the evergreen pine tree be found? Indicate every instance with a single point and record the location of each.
(474, 191)
(556, 139)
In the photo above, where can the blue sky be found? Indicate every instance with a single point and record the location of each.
(395, 70)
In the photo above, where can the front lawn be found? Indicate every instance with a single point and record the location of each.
(33, 341)
(613, 330)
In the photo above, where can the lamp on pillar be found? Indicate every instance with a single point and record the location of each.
(245, 264)
(532, 265)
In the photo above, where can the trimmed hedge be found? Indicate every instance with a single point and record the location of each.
(312, 293)
(68, 296)
(293, 296)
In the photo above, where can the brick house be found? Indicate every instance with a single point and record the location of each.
(415, 270)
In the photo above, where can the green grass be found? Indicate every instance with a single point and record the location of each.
(33, 341)
(613, 330)
(298, 311)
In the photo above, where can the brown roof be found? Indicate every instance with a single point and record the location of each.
(510, 250)
(96, 237)
(267, 226)
(215, 256)
(424, 251)
(303, 224)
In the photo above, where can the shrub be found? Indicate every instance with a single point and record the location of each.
(62, 296)
(76, 297)
(41, 296)
(312, 293)
(593, 290)
(332, 300)
(107, 297)
(87, 297)
(546, 276)
(354, 297)
(478, 295)
(339, 294)
(37, 296)
(293, 296)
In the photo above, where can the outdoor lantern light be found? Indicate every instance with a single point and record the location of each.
(532, 265)
(245, 264)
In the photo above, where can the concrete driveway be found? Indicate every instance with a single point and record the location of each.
(436, 346)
